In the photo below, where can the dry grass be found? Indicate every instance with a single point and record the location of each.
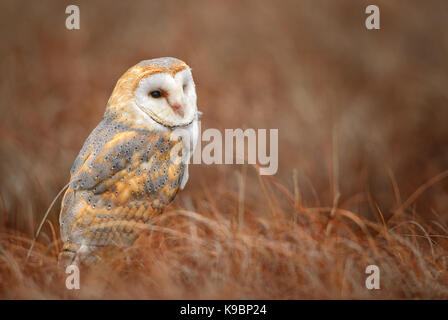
(270, 247)
(362, 147)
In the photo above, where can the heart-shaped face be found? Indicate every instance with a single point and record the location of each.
(155, 92)
(169, 99)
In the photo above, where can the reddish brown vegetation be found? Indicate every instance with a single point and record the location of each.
(362, 147)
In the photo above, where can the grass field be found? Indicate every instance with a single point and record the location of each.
(363, 147)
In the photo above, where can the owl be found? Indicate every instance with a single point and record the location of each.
(134, 162)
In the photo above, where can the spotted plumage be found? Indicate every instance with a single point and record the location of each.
(132, 165)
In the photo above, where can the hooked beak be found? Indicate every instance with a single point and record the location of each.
(177, 108)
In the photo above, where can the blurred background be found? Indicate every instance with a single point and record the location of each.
(360, 113)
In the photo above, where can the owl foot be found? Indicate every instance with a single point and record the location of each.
(76, 254)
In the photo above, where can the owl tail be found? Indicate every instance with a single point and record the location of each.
(43, 220)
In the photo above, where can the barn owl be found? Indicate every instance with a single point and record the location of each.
(129, 169)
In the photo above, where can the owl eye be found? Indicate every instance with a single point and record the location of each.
(184, 87)
(156, 94)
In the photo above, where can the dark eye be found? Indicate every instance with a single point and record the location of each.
(184, 87)
(156, 94)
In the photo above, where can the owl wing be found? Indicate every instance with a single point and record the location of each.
(110, 149)
(120, 177)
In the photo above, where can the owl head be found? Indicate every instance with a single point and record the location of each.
(161, 89)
